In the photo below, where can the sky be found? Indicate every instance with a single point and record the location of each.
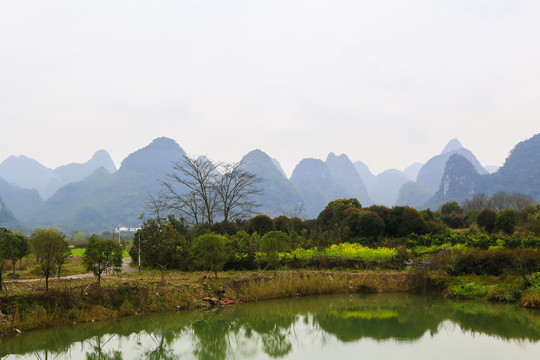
(387, 82)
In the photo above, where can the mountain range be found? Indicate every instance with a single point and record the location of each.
(95, 196)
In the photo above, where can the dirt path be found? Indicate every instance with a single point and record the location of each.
(125, 266)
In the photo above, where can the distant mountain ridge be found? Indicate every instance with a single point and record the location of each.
(105, 199)
(21, 202)
(278, 196)
(344, 173)
(7, 219)
(30, 174)
(431, 173)
(313, 179)
(519, 174)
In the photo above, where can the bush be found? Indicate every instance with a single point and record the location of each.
(209, 252)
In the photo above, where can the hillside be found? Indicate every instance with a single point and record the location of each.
(105, 200)
(7, 219)
(22, 202)
(317, 186)
(431, 173)
(279, 196)
(460, 181)
(26, 173)
(386, 186)
(346, 176)
(30, 174)
(520, 172)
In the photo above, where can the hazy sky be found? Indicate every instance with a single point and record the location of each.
(387, 82)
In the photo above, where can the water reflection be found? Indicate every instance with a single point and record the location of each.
(275, 329)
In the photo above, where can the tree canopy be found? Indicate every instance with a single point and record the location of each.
(101, 256)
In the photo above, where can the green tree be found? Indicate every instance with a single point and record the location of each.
(78, 239)
(370, 224)
(15, 247)
(272, 243)
(506, 221)
(403, 220)
(101, 256)
(260, 224)
(51, 250)
(486, 219)
(282, 223)
(209, 252)
(335, 219)
(4, 246)
(450, 207)
(163, 244)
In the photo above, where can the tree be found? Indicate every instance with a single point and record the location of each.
(503, 200)
(201, 190)
(452, 214)
(260, 224)
(476, 202)
(282, 223)
(101, 256)
(451, 207)
(370, 224)
(402, 221)
(162, 243)
(506, 221)
(235, 189)
(3, 256)
(334, 219)
(197, 176)
(486, 220)
(15, 247)
(209, 251)
(272, 243)
(51, 250)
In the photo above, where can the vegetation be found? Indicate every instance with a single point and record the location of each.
(202, 190)
(102, 255)
(442, 250)
(51, 251)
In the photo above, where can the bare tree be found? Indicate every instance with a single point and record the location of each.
(502, 200)
(235, 189)
(200, 193)
(476, 202)
(189, 188)
(157, 205)
(497, 202)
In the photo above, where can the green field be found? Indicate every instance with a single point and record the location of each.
(80, 252)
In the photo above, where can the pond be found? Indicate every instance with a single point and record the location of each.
(322, 327)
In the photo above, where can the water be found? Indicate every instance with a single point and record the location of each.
(323, 327)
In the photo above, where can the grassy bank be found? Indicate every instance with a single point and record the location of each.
(81, 300)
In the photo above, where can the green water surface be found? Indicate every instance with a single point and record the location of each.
(324, 327)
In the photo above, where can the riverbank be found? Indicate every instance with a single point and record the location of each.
(81, 300)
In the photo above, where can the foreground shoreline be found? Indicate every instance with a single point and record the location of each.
(69, 302)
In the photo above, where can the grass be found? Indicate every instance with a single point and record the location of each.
(79, 299)
(500, 289)
(80, 252)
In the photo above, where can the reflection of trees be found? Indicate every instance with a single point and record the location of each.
(276, 343)
(352, 324)
(271, 326)
(162, 350)
(97, 345)
(213, 339)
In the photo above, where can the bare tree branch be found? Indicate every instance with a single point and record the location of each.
(201, 193)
